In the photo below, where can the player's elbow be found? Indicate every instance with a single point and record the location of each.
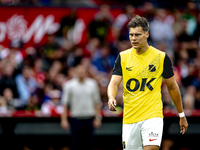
(173, 87)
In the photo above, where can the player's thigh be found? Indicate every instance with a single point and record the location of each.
(131, 136)
(152, 130)
(151, 147)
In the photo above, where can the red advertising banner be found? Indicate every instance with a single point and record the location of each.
(31, 24)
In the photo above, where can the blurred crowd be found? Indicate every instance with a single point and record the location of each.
(32, 78)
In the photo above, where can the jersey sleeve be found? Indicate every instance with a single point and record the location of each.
(65, 94)
(117, 70)
(167, 68)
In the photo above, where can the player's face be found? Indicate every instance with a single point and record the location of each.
(138, 37)
(81, 71)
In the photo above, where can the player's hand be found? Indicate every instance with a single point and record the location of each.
(111, 104)
(65, 124)
(183, 125)
(97, 123)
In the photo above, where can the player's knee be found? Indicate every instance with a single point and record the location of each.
(151, 147)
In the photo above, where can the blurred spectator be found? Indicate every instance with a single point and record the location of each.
(166, 98)
(75, 57)
(39, 74)
(52, 106)
(92, 45)
(100, 27)
(105, 13)
(14, 53)
(60, 80)
(103, 59)
(8, 79)
(161, 28)
(190, 14)
(184, 28)
(43, 93)
(196, 34)
(188, 102)
(22, 2)
(65, 34)
(120, 24)
(190, 74)
(26, 84)
(92, 70)
(147, 10)
(33, 103)
(53, 73)
(3, 105)
(81, 94)
(50, 51)
(197, 99)
(12, 103)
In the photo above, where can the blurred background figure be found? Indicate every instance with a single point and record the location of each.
(3, 106)
(120, 23)
(26, 85)
(103, 60)
(100, 26)
(53, 105)
(50, 51)
(81, 95)
(161, 28)
(12, 103)
(8, 78)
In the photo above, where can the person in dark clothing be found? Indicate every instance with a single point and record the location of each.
(8, 80)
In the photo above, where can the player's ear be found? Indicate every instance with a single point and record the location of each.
(147, 34)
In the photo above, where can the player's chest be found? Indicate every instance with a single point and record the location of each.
(141, 66)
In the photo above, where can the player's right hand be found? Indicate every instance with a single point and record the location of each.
(65, 124)
(111, 104)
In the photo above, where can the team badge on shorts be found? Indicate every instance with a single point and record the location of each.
(124, 144)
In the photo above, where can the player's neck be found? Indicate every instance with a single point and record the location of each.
(142, 50)
(81, 79)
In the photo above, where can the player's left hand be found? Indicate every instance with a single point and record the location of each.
(183, 125)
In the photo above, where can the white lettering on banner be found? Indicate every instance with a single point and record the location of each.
(40, 27)
(78, 31)
(16, 28)
(75, 34)
(32, 29)
(2, 31)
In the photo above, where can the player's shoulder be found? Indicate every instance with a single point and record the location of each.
(125, 52)
(91, 80)
(157, 51)
(69, 82)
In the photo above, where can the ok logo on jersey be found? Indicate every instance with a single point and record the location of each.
(137, 84)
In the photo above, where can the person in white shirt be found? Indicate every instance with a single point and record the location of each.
(81, 95)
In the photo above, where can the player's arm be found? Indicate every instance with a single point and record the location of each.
(98, 118)
(97, 105)
(114, 84)
(112, 91)
(64, 100)
(64, 118)
(176, 97)
(174, 92)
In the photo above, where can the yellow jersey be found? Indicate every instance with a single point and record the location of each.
(142, 78)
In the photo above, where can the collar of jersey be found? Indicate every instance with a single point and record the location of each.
(143, 54)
